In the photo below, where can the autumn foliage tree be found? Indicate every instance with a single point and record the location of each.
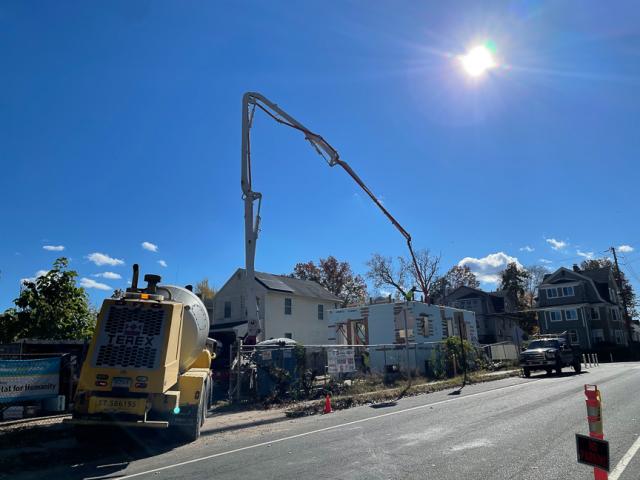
(337, 277)
(457, 276)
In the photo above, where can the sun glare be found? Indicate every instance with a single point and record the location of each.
(477, 61)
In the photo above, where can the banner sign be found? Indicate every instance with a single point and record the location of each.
(341, 360)
(29, 379)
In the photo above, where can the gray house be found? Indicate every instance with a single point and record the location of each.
(494, 317)
(583, 302)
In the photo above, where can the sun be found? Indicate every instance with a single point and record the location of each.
(477, 61)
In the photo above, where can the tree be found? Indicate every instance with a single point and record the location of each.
(457, 276)
(117, 293)
(428, 265)
(536, 275)
(514, 282)
(51, 307)
(336, 277)
(385, 273)
(627, 293)
(205, 291)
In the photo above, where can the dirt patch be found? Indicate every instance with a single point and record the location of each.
(340, 402)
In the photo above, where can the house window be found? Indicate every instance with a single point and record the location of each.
(571, 314)
(567, 292)
(619, 337)
(287, 306)
(595, 314)
(612, 295)
(555, 315)
(288, 335)
(614, 314)
(227, 309)
(552, 292)
(598, 335)
(573, 337)
(320, 312)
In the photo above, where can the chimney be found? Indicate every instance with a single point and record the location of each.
(576, 268)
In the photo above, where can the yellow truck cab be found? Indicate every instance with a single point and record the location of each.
(148, 364)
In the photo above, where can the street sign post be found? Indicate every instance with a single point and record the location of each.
(593, 451)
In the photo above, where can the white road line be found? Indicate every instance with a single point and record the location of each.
(622, 464)
(312, 432)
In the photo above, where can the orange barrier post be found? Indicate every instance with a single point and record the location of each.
(327, 404)
(594, 417)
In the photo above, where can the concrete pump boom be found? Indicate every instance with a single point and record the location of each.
(251, 101)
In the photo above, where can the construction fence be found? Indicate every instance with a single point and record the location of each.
(288, 370)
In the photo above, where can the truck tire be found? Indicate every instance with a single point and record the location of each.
(577, 366)
(558, 367)
(526, 371)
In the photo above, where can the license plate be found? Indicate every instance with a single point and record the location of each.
(120, 382)
(134, 406)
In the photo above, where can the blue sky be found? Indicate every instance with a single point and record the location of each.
(120, 124)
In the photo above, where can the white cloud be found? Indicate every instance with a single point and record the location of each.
(101, 259)
(544, 260)
(625, 248)
(54, 248)
(162, 263)
(38, 274)
(90, 283)
(527, 248)
(587, 255)
(487, 269)
(556, 244)
(108, 275)
(149, 246)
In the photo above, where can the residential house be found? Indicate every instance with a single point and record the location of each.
(496, 321)
(382, 325)
(584, 303)
(288, 308)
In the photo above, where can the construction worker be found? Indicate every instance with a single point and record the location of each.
(409, 295)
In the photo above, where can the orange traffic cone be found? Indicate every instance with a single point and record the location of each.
(327, 404)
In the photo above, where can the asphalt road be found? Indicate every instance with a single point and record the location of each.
(509, 429)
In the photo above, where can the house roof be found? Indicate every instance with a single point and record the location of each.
(598, 277)
(295, 286)
(496, 298)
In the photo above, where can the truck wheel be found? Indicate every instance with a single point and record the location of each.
(577, 366)
(558, 368)
(526, 371)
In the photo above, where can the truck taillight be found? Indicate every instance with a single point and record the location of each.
(141, 385)
(141, 378)
(101, 383)
(102, 376)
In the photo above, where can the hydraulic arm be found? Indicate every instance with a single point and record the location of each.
(250, 102)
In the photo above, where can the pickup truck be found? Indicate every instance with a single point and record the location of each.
(548, 354)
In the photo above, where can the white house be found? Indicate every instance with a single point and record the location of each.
(288, 308)
(382, 325)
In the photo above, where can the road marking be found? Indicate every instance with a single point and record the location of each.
(312, 432)
(622, 464)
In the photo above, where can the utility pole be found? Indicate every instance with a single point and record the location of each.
(625, 309)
